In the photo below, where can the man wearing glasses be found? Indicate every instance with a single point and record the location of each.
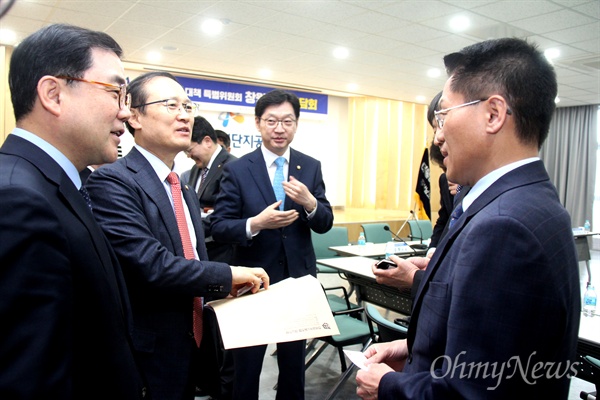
(497, 313)
(63, 303)
(155, 228)
(269, 202)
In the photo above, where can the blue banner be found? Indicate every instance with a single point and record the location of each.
(235, 94)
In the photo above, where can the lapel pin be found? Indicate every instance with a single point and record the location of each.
(298, 167)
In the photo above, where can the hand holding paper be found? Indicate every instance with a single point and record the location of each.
(250, 278)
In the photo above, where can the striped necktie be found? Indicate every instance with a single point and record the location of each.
(188, 248)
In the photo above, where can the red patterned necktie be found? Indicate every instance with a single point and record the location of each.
(188, 249)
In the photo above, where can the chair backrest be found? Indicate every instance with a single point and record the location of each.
(420, 229)
(375, 233)
(387, 330)
(336, 236)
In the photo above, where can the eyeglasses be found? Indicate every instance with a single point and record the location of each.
(188, 152)
(173, 106)
(440, 121)
(121, 90)
(285, 123)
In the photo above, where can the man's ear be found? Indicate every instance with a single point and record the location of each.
(498, 112)
(257, 122)
(49, 93)
(134, 120)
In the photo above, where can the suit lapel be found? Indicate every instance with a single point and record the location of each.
(148, 181)
(258, 172)
(214, 170)
(524, 175)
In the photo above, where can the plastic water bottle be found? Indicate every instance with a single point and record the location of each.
(586, 226)
(390, 248)
(589, 301)
(361, 239)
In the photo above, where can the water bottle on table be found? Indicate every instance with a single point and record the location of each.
(361, 239)
(589, 301)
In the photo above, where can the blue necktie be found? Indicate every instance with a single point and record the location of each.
(458, 211)
(278, 181)
(86, 196)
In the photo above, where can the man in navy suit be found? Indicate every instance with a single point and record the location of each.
(64, 312)
(271, 233)
(210, 158)
(497, 313)
(134, 202)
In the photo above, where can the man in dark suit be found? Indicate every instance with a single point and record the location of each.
(273, 233)
(135, 200)
(63, 303)
(205, 179)
(497, 313)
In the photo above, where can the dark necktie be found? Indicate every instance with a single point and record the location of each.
(188, 249)
(278, 181)
(86, 196)
(202, 178)
(458, 211)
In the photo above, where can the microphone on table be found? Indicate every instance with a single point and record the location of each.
(420, 246)
(387, 228)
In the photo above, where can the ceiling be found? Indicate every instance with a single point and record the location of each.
(392, 44)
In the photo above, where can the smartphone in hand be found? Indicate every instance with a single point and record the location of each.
(385, 264)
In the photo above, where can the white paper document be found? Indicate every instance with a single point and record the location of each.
(293, 309)
(357, 357)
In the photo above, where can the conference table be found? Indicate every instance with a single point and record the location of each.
(582, 245)
(357, 270)
(377, 250)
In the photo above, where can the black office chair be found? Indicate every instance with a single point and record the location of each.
(594, 365)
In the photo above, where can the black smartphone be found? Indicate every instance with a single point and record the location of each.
(385, 264)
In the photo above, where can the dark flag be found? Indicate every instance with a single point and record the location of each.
(423, 190)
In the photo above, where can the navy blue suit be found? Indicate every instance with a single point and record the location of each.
(502, 286)
(133, 208)
(246, 190)
(64, 312)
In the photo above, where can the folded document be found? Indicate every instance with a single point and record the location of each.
(293, 309)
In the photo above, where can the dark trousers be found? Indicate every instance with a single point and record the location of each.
(248, 363)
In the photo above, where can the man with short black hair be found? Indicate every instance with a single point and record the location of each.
(497, 313)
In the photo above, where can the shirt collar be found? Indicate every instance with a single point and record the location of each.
(487, 181)
(270, 157)
(158, 166)
(53, 152)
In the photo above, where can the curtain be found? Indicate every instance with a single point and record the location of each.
(569, 154)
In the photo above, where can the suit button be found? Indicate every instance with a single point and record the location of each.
(285, 236)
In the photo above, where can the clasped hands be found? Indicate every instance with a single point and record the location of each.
(272, 218)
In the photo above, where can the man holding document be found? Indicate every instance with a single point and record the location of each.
(269, 202)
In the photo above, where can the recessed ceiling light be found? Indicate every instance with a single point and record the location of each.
(265, 73)
(434, 73)
(551, 54)
(8, 36)
(212, 26)
(341, 53)
(421, 99)
(169, 48)
(153, 56)
(460, 23)
(352, 87)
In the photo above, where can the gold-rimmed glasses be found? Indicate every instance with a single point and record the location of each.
(123, 98)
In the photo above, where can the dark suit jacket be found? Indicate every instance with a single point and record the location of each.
(63, 302)
(446, 202)
(246, 190)
(212, 183)
(207, 195)
(133, 209)
(502, 285)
